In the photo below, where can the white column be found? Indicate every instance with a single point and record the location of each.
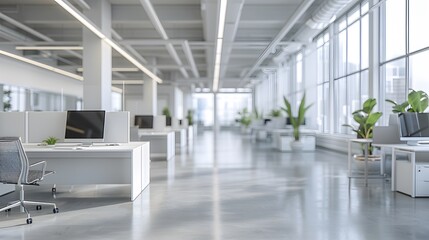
(1, 98)
(215, 115)
(97, 59)
(150, 90)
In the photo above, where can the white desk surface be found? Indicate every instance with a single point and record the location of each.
(72, 147)
(419, 148)
(145, 132)
(361, 140)
(290, 130)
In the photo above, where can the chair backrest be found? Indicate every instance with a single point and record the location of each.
(386, 135)
(13, 161)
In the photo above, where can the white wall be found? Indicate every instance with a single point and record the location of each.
(173, 97)
(22, 74)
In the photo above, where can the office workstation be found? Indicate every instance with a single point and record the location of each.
(93, 148)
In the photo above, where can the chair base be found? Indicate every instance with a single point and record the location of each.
(23, 204)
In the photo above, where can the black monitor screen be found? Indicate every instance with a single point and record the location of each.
(414, 124)
(288, 122)
(143, 121)
(85, 124)
(168, 121)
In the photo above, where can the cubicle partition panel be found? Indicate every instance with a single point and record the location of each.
(175, 123)
(117, 127)
(159, 123)
(42, 125)
(13, 124)
(34, 127)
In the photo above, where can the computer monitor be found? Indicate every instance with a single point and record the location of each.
(85, 126)
(168, 121)
(144, 121)
(288, 122)
(414, 127)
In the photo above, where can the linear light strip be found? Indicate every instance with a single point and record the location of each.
(92, 27)
(42, 65)
(123, 69)
(219, 44)
(49, 48)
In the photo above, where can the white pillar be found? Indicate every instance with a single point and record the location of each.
(1, 97)
(97, 59)
(150, 90)
(215, 115)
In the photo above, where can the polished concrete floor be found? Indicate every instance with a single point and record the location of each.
(229, 187)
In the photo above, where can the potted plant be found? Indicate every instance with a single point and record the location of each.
(417, 101)
(190, 117)
(366, 119)
(245, 120)
(51, 141)
(276, 119)
(166, 112)
(276, 113)
(296, 121)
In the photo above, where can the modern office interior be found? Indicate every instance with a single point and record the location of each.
(214, 119)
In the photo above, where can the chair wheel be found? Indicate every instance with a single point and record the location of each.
(55, 210)
(29, 220)
(54, 189)
(39, 207)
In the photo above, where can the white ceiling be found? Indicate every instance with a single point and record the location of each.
(251, 25)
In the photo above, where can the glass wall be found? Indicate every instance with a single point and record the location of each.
(345, 62)
(351, 65)
(404, 46)
(18, 99)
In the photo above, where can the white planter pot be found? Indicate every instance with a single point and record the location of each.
(373, 163)
(296, 145)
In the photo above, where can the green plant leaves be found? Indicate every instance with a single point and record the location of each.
(296, 121)
(418, 101)
(366, 119)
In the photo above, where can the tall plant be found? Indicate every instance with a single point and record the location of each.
(417, 101)
(297, 121)
(366, 119)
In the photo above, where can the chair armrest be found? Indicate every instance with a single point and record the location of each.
(43, 167)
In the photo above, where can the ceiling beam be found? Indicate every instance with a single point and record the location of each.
(147, 5)
(190, 57)
(33, 32)
(82, 4)
(290, 23)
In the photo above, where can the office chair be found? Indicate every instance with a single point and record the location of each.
(15, 169)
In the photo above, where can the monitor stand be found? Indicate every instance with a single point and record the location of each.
(87, 144)
(417, 143)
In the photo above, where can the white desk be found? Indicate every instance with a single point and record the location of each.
(409, 175)
(128, 163)
(162, 144)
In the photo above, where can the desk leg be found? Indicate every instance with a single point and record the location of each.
(382, 162)
(393, 173)
(366, 164)
(413, 165)
(350, 158)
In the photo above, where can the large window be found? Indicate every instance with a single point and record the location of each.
(323, 44)
(351, 65)
(404, 44)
